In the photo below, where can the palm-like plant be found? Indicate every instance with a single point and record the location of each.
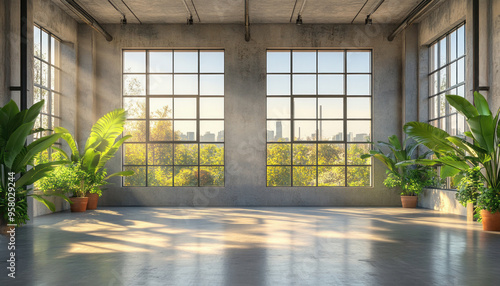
(100, 147)
(456, 154)
(16, 157)
(401, 169)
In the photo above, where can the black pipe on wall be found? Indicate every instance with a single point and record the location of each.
(24, 55)
(475, 45)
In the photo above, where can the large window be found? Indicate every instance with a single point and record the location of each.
(175, 107)
(46, 79)
(319, 117)
(447, 76)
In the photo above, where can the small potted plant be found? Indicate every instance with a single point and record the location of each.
(401, 171)
(468, 190)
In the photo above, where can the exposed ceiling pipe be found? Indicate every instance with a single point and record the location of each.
(123, 1)
(359, 12)
(247, 21)
(124, 19)
(418, 11)
(195, 11)
(368, 19)
(299, 16)
(87, 18)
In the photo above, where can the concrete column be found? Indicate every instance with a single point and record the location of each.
(495, 54)
(410, 103)
(4, 94)
(86, 96)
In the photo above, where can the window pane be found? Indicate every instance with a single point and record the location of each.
(45, 46)
(453, 125)
(359, 107)
(443, 79)
(37, 95)
(330, 108)
(160, 130)
(304, 154)
(354, 152)
(211, 84)
(160, 84)
(135, 154)
(186, 84)
(358, 176)
(134, 62)
(453, 74)
(358, 85)
(37, 42)
(160, 108)
(160, 154)
(54, 79)
(304, 108)
(331, 176)
(304, 84)
(137, 179)
(45, 98)
(211, 154)
(55, 104)
(278, 107)
(331, 154)
(442, 105)
(304, 61)
(279, 154)
(54, 52)
(37, 71)
(160, 61)
(212, 62)
(330, 84)
(358, 131)
(461, 70)
(278, 131)
(278, 85)
(434, 57)
(278, 176)
(442, 52)
(137, 129)
(185, 108)
(278, 61)
(434, 83)
(185, 130)
(305, 130)
(186, 154)
(186, 176)
(212, 107)
(460, 125)
(134, 85)
(453, 46)
(45, 75)
(331, 130)
(185, 61)
(330, 61)
(433, 107)
(358, 62)
(211, 130)
(304, 176)
(461, 41)
(212, 176)
(160, 176)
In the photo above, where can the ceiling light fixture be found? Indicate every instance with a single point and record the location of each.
(368, 20)
(190, 20)
(299, 20)
(123, 20)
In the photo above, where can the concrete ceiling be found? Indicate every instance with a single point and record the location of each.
(232, 11)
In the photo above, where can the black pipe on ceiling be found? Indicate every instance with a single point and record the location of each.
(418, 11)
(475, 45)
(247, 22)
(87, 18)
(24, 55)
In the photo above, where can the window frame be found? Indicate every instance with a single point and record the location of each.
(345, 119)
(147, 119)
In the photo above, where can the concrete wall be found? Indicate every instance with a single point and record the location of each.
(494, 55)
(52, 18)
(245, 107)
(441, 200)
(3, 55)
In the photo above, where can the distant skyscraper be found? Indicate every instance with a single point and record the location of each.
(208, 137)
(279, 130)
(361, 137)
(270, 135)
(220, 136)
(190, 136)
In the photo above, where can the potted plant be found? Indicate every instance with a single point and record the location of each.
(468, 190)
(100, 147)
(16, 158)
(401, 171)
(456, 154)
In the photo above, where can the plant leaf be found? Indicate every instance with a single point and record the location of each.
(462, 105)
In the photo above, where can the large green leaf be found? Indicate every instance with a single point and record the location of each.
(481, 104)
(107, 128)
(36, 173)
(61, 151)
(108, 154)
(430, 136)
(482, 128)
(394, 141)
(448, 171)
(387, 161)
(50, 205)
(66, 136)
(10, 109)
(35, 148)
(123, 173)
(33, 111)
(15, 143)
(462, 105)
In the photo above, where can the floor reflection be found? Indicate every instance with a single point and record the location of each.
(254, 246)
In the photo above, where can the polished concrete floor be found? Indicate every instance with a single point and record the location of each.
(253, 246)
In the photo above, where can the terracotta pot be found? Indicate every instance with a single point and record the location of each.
(491, 221)
(79, 204)
(409, 201)
(92, 205)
